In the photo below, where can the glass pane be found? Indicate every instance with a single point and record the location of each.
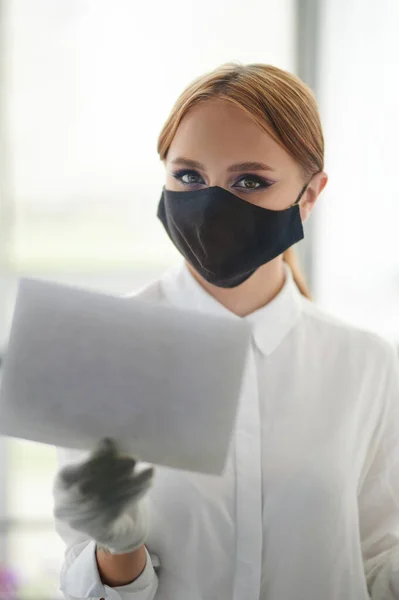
(89, 85)
(35, 559)
(34, 550)
(357, 232)
(85, 108)
(31, 469)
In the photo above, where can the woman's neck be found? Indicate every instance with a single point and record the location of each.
(255, 292)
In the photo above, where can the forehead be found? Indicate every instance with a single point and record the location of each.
(219, 130)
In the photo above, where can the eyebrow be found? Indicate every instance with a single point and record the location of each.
(245, 166)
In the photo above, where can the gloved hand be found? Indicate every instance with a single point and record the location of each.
(101, 497)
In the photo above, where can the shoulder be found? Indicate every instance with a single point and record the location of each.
(352, 342)
(152, 292)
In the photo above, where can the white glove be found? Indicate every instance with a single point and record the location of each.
(101, 497)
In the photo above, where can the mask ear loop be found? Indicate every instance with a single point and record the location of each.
(301, 193)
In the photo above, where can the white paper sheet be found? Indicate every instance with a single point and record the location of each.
(163, 382)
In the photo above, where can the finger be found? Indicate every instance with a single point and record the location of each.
(102, 462)
(70, 475)
(105, 451)
(101, 455)
(122, 467)
(116, 481)
(114, 506)
(123, 492)
(136, 487)
(111, 468)
(103, 474)
(106, 447)
(144, 478)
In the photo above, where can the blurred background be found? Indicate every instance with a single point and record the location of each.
(85, 86)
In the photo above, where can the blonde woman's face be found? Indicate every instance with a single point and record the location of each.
(218, 144)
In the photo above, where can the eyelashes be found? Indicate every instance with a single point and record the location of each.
(259, 182)
(190, 178)
(190, 175)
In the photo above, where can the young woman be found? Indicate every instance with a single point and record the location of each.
(307, 508)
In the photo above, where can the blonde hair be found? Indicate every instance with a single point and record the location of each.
(279, 102)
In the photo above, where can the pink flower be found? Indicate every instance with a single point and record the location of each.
(8, 584)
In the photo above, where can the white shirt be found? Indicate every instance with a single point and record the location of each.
(308, 506)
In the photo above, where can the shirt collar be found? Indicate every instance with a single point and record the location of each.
(270, 324)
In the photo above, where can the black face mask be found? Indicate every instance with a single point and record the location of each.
(225, 238)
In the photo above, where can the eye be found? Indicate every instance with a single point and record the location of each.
(189, 177)
(251, 183)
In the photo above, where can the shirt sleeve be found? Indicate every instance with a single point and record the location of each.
(379, 494)
(80, 579)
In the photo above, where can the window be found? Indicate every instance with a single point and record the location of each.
(88, 85)
(357, 244)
